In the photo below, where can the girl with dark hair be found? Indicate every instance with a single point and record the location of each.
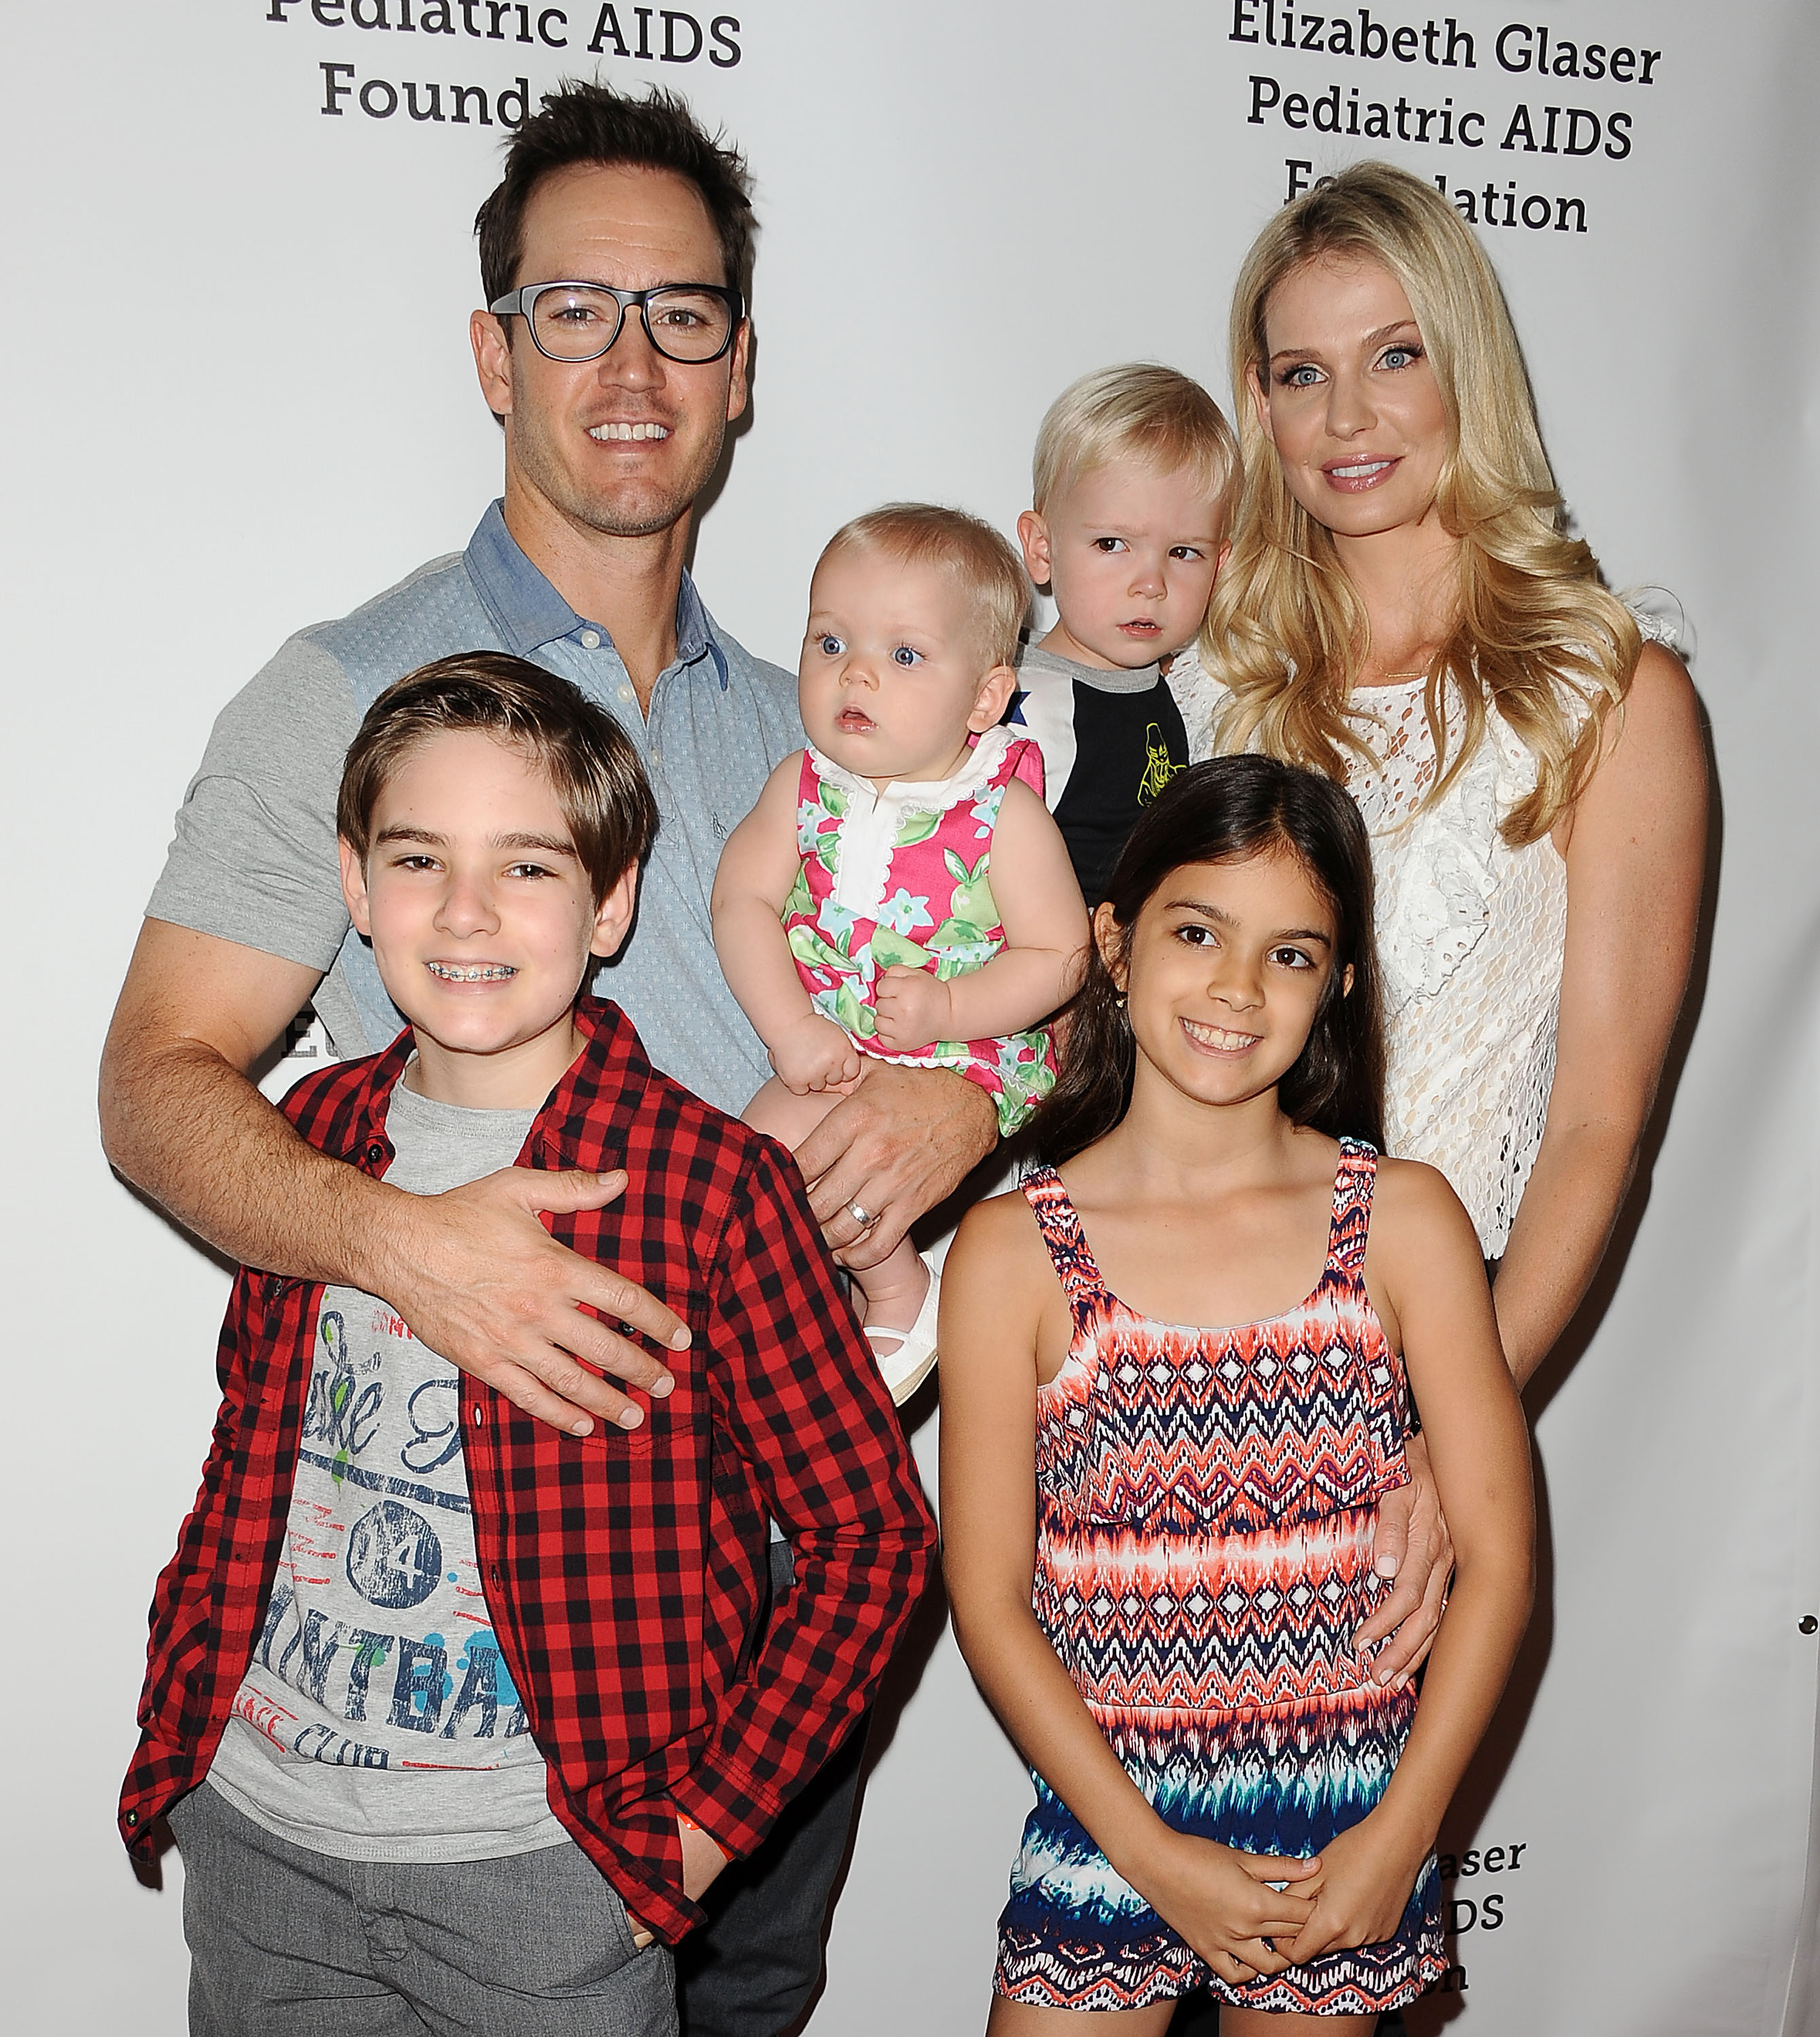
(1222, 813)
(1159, 1530)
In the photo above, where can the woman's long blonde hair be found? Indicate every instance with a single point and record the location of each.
(1535, 633)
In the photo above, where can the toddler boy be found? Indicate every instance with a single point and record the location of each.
(1132, 471)
(481, 1708)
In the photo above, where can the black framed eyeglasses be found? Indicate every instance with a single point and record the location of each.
(689, 321)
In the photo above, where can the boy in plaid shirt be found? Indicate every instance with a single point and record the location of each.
(481, 1709)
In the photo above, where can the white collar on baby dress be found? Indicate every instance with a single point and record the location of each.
(933, 795)
(874, 820)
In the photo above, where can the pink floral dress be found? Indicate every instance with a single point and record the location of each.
(901, 877)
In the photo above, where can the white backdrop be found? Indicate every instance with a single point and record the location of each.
(239, 398)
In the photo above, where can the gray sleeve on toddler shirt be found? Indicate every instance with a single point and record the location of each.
(254, 857)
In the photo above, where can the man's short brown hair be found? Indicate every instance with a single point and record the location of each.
(589, 759)
(971, 551)
(585, 122)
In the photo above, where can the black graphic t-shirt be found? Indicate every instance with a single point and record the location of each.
(377, 1720)
(1111, 742)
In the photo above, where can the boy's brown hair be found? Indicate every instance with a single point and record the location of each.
(591, 763)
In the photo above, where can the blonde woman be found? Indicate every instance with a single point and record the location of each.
(1403, 609)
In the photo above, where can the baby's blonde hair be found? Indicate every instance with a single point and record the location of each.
(1536, 637)
(973, 551)
(1136, 411)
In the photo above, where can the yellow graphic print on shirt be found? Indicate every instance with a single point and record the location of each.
(1158, 770)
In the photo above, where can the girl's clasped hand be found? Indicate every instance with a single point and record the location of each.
(1238, 1911)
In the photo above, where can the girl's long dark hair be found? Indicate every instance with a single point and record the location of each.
(1223, 811)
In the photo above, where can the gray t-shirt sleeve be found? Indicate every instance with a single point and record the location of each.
(254, 857)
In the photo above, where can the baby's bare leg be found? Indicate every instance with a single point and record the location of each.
(892, 1291)
(787, 1116)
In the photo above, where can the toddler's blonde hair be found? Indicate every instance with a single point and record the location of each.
(1136, 411)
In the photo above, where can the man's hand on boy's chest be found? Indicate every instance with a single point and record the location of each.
(480, 1278)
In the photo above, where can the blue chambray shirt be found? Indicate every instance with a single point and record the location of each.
(253, 859)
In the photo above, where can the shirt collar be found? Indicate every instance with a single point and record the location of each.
(694, 636)
(1123, 681)
(609, 1075)
(976, 771)
(529, 613)
(604, 1087)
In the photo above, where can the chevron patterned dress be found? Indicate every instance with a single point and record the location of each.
(1206, 1501)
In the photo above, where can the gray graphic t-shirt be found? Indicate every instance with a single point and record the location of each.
(377, 1721)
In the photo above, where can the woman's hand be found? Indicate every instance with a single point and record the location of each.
(1367, 1874)
(1222, 1902)
(1411, 1546)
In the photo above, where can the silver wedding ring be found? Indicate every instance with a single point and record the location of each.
(861, 1216)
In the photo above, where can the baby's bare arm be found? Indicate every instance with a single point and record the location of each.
(757, 872)
(1038, 970)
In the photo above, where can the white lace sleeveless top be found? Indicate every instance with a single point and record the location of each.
(1471, 935)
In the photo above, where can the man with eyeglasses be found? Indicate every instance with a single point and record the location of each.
(615, 256)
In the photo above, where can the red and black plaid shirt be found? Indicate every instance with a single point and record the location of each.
(625, 1572)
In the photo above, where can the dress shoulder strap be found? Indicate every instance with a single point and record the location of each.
(808, 809)
(1023, 759)
(1354, 1179)
(1060, 1225)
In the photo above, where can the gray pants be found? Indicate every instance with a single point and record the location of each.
(286, 1943)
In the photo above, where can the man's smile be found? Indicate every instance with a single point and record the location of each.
(617, 434)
